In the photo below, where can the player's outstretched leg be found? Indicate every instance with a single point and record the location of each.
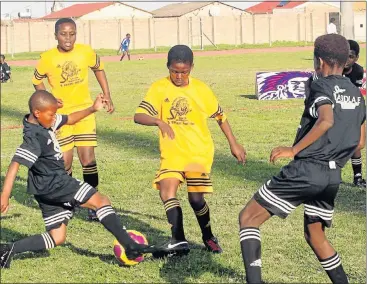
(178, 244)
(43, 241)
(202, 214)
(108, 218)
(250, 219)
(128, 55)
(90, 172)
(357, 169)
(123, 55)
(328, 257)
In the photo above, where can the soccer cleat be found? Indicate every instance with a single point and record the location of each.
(359, 181)
(6, 255)
(92, 216)
(172, 248)
(212, 245)
(139, 249)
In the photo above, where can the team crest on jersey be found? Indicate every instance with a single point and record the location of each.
(345, 101)
(69, 74)
(57, 148)
(179, 109)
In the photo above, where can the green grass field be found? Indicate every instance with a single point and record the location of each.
(128, 157)
(164, 49)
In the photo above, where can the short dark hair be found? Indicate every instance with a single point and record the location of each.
(180, 53)
(127, 34)
(333, 49)
(40, 99)
(332, 20)
(353, 45)
(3, 56)
(63, 21)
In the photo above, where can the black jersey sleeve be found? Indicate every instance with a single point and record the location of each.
(320, 94)
(359, 76)
(28, 153)
(60, 121)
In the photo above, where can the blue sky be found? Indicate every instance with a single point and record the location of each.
(38, 8)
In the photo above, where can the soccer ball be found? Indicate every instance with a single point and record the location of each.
(119, 250)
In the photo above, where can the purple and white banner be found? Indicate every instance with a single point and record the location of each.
(281, 85)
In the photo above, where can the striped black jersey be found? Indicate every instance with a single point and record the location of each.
(340, 141)
(40, 152)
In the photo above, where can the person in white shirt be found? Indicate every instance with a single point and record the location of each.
(331, 28)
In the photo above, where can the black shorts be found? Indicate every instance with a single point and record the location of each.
(314, 184)
(57, 207)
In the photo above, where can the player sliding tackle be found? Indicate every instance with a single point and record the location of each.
(331, 130)
(56, 192)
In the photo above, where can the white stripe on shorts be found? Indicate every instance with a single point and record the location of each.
(274, 200)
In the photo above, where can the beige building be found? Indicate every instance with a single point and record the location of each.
(100, 11)
(197, 9)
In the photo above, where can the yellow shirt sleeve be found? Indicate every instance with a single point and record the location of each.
(151, 104)
(40, 71)
(213, 108)
(94, 61)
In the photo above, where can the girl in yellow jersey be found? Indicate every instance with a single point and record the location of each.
(180, 106)
(66, 68)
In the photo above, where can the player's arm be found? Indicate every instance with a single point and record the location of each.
(97, 66)
(237, 149)
(323, 123)
(40, 74)
(362, 140)
(8, 186)
(79, 115)
(148, 113)
(145, 119)
(102, 81)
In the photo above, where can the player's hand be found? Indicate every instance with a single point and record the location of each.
(108, 103)
(239, 153)
(166, 129)
(281, 152)
(60, 103)
(4, 203)
(98, 103)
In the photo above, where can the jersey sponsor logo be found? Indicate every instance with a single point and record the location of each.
(345, 101)
(57, 148)
(69, 74)
(179, 109)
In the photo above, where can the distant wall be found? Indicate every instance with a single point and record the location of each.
(150, 32)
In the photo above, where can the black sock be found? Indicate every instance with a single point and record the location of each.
(70, 172)
(34, 243)
(175, 218)
(357, 166)
(90, 175)
(334, 269)
(251, 253)
(111, 222)
(203, 216)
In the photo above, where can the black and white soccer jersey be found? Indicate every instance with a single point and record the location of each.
(356, 75)
(41, 153)
(339, 142)
(56, 192)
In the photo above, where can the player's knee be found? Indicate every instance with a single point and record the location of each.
(59, 236)
(315, 237)
(196, 200)
(103, 200)
(245, 218)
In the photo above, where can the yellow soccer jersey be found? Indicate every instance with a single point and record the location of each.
(186, 110)
(67, 74)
